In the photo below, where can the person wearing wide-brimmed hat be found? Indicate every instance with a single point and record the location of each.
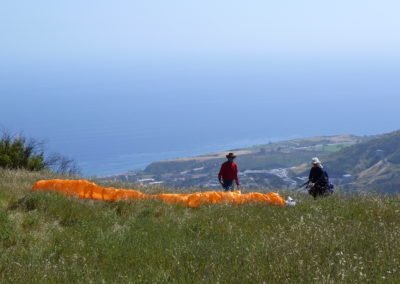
(318, 180)
(229, 173)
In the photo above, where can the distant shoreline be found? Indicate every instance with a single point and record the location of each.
(220, 154)
(174, 155)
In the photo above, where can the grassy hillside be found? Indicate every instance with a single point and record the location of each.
(362, 156)
(374, 163)
(49, 238)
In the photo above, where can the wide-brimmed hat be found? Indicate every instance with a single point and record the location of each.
(231, 155)
(315, 161)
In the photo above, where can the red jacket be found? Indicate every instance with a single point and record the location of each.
(229, 171)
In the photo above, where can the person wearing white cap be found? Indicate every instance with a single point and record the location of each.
(316, 162)
(318, 179)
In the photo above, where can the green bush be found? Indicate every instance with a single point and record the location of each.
(20, 153)
(17, 152)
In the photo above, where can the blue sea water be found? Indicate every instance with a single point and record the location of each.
(116, 116)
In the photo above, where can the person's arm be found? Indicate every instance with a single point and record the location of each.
(311, 178)
(236, 176)
(220, 174)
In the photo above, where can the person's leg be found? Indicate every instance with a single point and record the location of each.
(318, 191)
(228, 185)
(313, 191)
(225, 186)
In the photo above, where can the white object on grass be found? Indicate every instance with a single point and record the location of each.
(290, 202)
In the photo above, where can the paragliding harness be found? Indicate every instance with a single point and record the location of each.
(320, 188)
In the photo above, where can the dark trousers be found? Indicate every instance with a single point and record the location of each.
(228, 185)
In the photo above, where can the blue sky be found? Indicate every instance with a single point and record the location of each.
(46, 29)
(119, 84)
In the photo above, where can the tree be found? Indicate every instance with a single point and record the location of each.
(61, 164)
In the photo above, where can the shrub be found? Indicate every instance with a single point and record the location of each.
(20, 153)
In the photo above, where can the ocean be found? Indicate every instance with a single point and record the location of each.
(119, 115)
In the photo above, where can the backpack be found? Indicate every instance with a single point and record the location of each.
(326, 176)
(330, 186)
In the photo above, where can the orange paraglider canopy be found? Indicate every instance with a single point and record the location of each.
(88, 190)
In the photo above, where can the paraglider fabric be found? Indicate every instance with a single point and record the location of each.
(88, 190)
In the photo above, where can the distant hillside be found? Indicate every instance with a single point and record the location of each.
(267, 166)
(362, 156)
(262, 157)
(374, 163)
(356, 163)
(353, 162)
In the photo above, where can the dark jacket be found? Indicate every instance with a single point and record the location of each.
(317, 175)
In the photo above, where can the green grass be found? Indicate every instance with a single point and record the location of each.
(331, 147)
(49, 238)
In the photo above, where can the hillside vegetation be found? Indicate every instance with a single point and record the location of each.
(50, 238)
(19, 152)
(362, 156)
(373, 164)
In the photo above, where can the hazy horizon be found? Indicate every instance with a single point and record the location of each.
(116, 85)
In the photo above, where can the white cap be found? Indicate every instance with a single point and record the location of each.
(316, 161)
